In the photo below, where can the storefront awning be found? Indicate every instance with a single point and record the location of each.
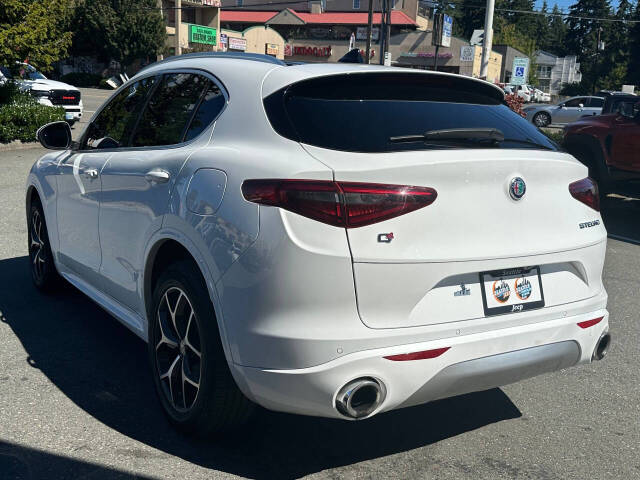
(326, 18)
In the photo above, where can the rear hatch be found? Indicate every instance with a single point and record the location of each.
(450, 261)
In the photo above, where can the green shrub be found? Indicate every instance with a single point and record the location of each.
(553, 134)
(574, 89)
(20, 120)
(79, 79)
(10, 93)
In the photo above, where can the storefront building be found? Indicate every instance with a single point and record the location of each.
(256, 39)
(508, 54)
(414, 50)
(192, 25)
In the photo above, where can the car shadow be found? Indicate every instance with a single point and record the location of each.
(621, 214)
(18, 462)
(102, 368)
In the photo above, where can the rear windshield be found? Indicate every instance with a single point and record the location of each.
(363, 112)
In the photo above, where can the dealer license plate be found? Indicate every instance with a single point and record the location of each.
(511, 290)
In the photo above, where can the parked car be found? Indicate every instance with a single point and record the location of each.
(540, 96)
(523, 91)
(609, 144)
(564, 112)
(47, 92)
(334, 240)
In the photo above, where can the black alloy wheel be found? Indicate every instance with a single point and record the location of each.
(190, 371)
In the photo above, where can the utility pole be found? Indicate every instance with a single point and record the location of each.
(369, 22)
(595, 77)
(383, 31)
(160, 55)
(387, 40)
(178, 17)
(487, 44)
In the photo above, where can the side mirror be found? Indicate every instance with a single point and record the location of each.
(561, 106)
(581, 105)
(55, 136)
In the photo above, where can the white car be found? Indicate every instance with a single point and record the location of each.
(48, 92)
(541, 96)
(335, 240)
(523, 91)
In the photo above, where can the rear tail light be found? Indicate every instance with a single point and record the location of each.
(342, 204)
(590, 323)
(423, 355)
(586, 190)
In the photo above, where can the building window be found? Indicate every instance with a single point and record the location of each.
(356, 4)
(238, 3)
(544, 71)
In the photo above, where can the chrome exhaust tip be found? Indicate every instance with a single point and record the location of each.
(602, 347)
(359, 398)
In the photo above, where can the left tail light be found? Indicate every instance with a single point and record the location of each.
(342, 204)
(586, 191)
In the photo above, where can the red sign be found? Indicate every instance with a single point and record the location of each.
(312, 51)
(288, 50)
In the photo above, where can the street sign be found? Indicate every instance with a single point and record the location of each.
(447, 28)
(442, 29)
(201, 34)
(520, 71)
(467, 53)
(387, 59)
(477, 38)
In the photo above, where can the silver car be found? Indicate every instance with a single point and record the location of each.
(565, 112)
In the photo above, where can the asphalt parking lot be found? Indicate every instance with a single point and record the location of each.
(76, 400)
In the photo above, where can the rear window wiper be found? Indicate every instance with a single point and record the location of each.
(490, 137)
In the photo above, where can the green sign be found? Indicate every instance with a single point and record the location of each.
(200, 34)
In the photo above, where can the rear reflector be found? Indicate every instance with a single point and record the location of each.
(590, 323)
(436, 352)
(586, 191)
(342, 204)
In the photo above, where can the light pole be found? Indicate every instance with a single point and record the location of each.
(488, 39)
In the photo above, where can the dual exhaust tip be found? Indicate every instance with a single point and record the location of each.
(602, 347)
(360, 397)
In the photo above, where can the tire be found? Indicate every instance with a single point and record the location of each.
(192, 378)
(541, 119)
(43, 270)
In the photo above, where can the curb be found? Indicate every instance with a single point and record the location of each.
(18, 145)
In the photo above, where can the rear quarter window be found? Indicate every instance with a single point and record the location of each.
(362, 112)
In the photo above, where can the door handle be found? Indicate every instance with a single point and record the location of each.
(91, 173)
(157, 175)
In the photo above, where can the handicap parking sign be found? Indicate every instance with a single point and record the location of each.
(520, 70)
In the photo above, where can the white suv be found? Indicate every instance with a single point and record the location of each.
(335, 240)
(48, 92)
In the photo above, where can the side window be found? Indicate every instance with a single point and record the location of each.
(114, 125)
(575, 102)
(210, 107)
(169, 110)
(596, 102)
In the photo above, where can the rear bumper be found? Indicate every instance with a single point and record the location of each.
(473, 363)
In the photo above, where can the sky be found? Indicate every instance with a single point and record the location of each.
(563, 4)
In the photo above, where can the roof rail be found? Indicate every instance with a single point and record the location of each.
(256, 57)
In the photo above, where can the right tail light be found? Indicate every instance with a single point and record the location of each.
(586, 191)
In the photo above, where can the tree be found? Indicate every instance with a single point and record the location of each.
(582, 38)
(468, 17)
(121, 30)
(555, 42)
(509, 35)
(34, 30)
(633, 71)
(615, 57)
(542, 24)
